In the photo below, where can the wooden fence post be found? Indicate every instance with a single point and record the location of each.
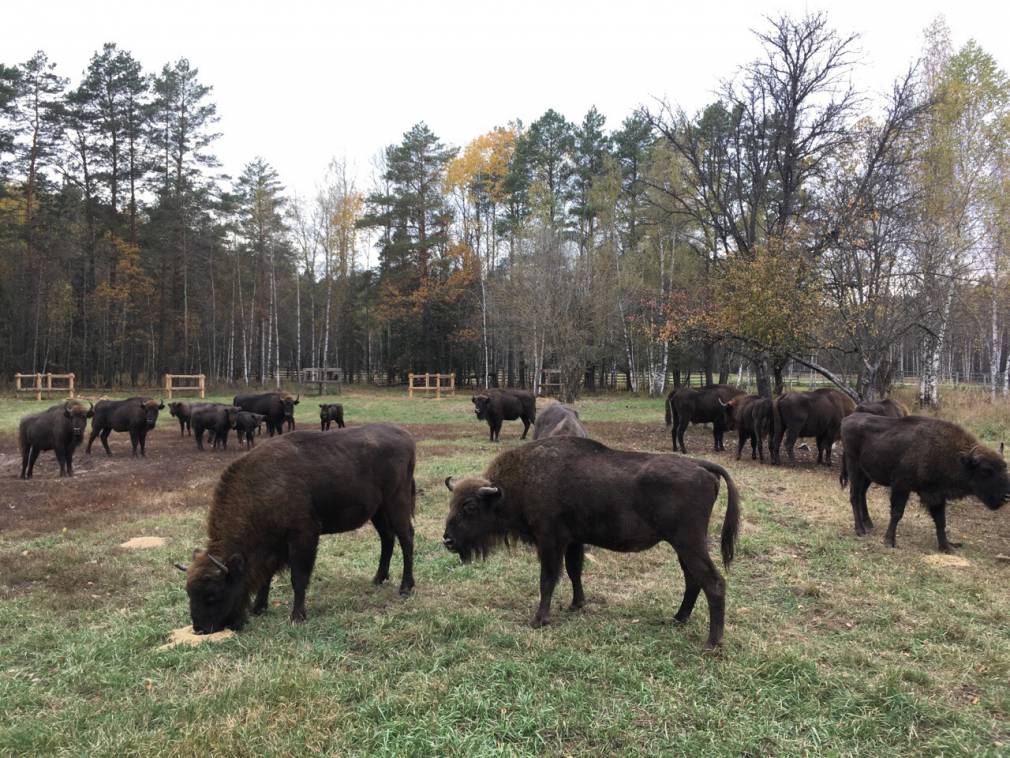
(38, 387)
(71, 378)
(168, 385)
(410, 386)
(203, 386)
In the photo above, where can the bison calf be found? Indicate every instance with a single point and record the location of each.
(60, 429)
(936, 459)
(218, 419)
(272, 505)
(557, 420)
(495, 406)
(136, 415)
(750, 415)
(330, 413)
(563, 493)
(247, 426)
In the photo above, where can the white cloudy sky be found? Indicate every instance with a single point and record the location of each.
(298, 82)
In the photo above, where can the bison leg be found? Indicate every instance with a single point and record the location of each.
(262, 596)
(698, 564)
(105, 439)
(574, 558)
(551, 557)
(61, 459)
(134, 442)
(691, 591)
(405, 536)
(91, 438)
(681, 428)
(34, 456)
(526, 427)
(791, 437)
(740, 444)
(143, 443)
(858, 484)
(301, 558)
(898, 500)
(938, 510)
(323, 426)
(387, 539)
(69, 457)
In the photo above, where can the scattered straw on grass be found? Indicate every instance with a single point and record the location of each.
(185, 635)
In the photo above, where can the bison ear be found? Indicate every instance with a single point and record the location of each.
(473, 399)
(1001, 450)
(449, 485)
(89, 414)
(969, 460)
(161, 405)
(236, 566)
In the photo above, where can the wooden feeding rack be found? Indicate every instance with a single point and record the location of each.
(200, 387)
(44, 383)
(443, 382)
(323, 376)
(550, 382)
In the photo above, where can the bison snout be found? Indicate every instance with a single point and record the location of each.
(449, 542)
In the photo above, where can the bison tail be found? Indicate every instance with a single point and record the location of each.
(776, 440)
(731, 526)
(843, 476)
(413, 497)
(669, 412)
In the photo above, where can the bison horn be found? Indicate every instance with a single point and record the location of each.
(181, 567)
(1001, 449)
(449, 484)
(724, 405)
(488, 491)
(217, 562)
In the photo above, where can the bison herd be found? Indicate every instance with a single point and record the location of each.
(560, 493)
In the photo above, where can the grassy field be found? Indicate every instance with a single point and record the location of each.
(834, 644)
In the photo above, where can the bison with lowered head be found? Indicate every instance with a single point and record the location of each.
(887, 407)
(698, 406)
(278, 407)
(818, 414)
(218, 420)
(563, 493)
(557, 420)
(750, 415)
(936, 459)
(271, 506)
(136, 415)
(60, 429)
(495, 406)
(330, 413)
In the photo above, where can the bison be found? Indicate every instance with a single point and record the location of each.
(817, 413)
(936, 459)
(557, 420)
(887, 407)
(136, 415)
(750, 415)
(247, 426)
(330, 413)
(563, 493)
(278, 407)
(183, 411)
(216, 418)
(698, 406)
(495, 406)
(60, 429)
(271, 506)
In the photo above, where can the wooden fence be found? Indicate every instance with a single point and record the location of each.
(438, 387)
(43, 383)
(323, 376)
(200, 386)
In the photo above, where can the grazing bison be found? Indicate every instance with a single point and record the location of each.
(276, 406)
(60, 429)
(698, 406)
(247, 426)
(563, 493)
(557, 420)
(750, 416)
(818, 413)
(218, 420)
(887, 407)
(136, 415)
(330, 413)
(936, 459)
(495, 406)
(271, 506)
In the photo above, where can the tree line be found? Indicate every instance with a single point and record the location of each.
(794, 221)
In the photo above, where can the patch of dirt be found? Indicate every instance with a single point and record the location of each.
(143, 543)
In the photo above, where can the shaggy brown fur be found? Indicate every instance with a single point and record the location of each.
(817, 413)
(698, 406)
(59, 428)
(936, 459)
(272, 505)
(563, 493)
(216, 419)
(495, 406)
(557, 420)
(330, 413)
(749, 415)
(136, 415)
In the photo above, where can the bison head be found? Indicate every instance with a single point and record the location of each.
(217, 592)
(78, 415)
(174, 409)
(481, 404)
(232, 411)
(987, 474)
(151, 409)
(474, 525)
(289, 404)
(729, 412)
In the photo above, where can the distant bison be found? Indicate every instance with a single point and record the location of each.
(183, 412)
(271, 506)
(276, 406)
(247, 426)
(818, 414)
(136, 415)
(887, 407)
(936, 459)
(330, 413)
(557, 420)
(495, 406)
(218, 420)
(698, 406)
(60, 429)
(563, 493)
(750, 415)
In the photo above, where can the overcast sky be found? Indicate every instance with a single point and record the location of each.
(299, 82)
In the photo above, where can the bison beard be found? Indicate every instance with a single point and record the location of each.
(272, 505)
(563, 493)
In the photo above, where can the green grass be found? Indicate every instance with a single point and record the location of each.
(834, 645)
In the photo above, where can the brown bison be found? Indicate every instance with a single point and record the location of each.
(330, 413)
(278, 407)
(817, 413)
(495, 406)
(750, 415)
(183, 411)
(936, 459)
(563, 493)
(557, 420)
(136, 415)
(247, 426)
(887, 407)
(271, 506)
(698, 406)
(218, 420)
(59, 428)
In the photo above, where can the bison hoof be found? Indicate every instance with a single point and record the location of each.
(298, 616)
(379, 578)
(680, 621)
(259, 610)
(712, 647)
(406, 591)
(538, 622)
(949, 547)
(577, 605)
